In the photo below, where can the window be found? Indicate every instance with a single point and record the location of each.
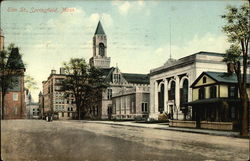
(144, 107)
(62, 114)
(68, 108)
(117, 78)
(101, 49)
(109, 94)
(68, 114)
(172, 91)
(15, 110)
(213, 92)
(15, 96)
(202, 93)
(232, 92)
(71, 108)
(204, 80)
(233, 112)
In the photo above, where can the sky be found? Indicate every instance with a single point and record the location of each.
(138, 32)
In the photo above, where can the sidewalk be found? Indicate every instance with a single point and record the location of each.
(166, 127)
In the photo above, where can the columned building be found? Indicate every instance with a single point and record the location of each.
(170, 83)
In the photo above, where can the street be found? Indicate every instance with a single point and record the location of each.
(38, 140)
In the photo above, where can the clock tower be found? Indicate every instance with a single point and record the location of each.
(100, 58)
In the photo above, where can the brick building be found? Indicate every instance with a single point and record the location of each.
(53, 100)
(14, 100)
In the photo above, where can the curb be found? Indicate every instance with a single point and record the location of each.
(175, 129)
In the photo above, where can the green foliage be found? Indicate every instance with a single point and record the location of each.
(238, 32)
(30, 82)
(232, 54)
(84, 82)
(237, 27)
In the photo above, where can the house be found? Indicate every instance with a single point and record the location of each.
(215, 102)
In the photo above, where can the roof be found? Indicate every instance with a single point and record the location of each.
(136, 78)
(99, 30)
(210, 101)
(129, 77)
(172, 64)
(221, 77)
(15, 60)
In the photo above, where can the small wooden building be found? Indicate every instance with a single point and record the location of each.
(216, 103)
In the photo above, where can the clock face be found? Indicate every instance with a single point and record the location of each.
(101, 49)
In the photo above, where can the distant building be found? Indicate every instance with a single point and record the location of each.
(117, 81)
(215, 102)
(41, 104)
(33, 111)
(170, 83)
(131, 103)
(1, 40)
(54, 100)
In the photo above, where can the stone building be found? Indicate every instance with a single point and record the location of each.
(32, 110)
(170, 83)
(131, 103)
(54, 100)
(117, 80)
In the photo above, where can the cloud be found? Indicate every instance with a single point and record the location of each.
(209, 42)
(124, 7)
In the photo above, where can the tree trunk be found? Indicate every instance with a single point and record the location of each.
(2, 105)
(245, 111)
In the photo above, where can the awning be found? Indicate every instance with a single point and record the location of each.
(211, 100)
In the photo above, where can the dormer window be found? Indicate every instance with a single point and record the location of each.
(204, 80)
(117, 78)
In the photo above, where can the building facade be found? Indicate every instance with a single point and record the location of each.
(215, 103)
(131, 103)
(32, 110)
(14, 99)
(118, 81)
(54, 100)
(170, 83)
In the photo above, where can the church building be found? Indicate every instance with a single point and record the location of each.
(117, 102)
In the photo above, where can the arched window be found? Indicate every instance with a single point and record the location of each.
(172, 91)
(161, 99)
(101, 49)
(185, 91)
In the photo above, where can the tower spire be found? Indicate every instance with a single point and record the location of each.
(99, 29)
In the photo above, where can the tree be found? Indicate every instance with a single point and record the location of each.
(30, 82)
(11, 68)
(85, 83)
(237, 31)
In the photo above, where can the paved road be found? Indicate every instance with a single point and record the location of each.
(37, 140)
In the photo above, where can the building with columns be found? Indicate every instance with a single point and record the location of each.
(170, 83)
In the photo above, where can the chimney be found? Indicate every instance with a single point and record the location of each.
(230, 68)
(62, 71)
(53, 71)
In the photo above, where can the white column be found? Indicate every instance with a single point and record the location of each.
(156, 98)
(165, 95)
(177, 93)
